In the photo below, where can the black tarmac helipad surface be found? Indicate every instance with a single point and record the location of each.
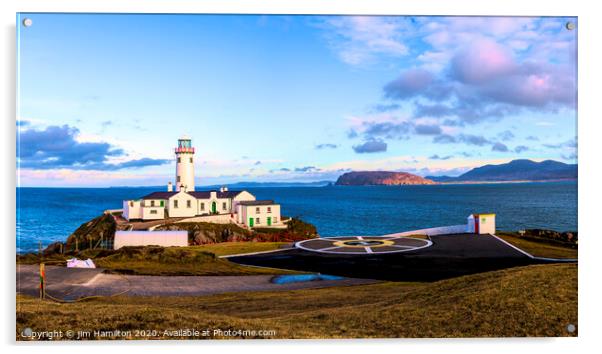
(448, 256)
(363, 245)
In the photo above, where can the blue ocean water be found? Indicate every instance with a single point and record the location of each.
(51, 214)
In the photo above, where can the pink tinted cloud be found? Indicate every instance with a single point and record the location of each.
(487, 77)
(535, 88)
(482, 61)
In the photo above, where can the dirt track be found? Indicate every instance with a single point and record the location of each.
(69, 283)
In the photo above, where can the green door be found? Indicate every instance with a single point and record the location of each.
(269, 221)
(250, 222)
(213, 207)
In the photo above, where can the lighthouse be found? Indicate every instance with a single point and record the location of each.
(213, 206)
(184, 165)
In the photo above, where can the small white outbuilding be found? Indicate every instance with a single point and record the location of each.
(150, 238)
(481, 224)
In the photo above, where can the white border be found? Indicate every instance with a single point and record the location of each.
(590, 170)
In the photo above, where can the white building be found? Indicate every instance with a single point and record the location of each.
(258, 213)
(186, 202)
(481, 224)
(147, 238)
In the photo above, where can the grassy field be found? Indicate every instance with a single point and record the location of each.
(538, 300)
(539, 248)
(230, 248)
(421, 237)
(192, 260)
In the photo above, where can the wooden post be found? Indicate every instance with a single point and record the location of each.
(42, 281)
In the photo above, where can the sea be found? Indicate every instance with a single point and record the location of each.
(46, 215)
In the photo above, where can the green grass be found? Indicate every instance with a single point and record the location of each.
(538, 248)
(231, 248)
(421, 237)
(152, 260)
(539, 300)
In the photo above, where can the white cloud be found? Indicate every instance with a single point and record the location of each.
(358, 38)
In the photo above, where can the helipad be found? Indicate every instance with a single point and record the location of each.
(362, 245)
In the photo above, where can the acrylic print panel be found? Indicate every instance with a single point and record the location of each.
(246, 176)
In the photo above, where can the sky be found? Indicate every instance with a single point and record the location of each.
(103, 98)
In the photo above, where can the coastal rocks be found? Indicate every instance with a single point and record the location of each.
(206, 233)
(386, 178)
(568, 237)
(201, 233)
(92, 234)
(54, 248)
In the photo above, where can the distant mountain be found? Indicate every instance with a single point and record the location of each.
(375, 178)
(516, 170)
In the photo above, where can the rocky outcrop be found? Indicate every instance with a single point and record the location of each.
(377, 178)
(92, 233)
(550, 235)
(200, 233)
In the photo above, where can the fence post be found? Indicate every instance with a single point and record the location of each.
(42, 281)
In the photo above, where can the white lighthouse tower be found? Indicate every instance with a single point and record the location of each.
(184, 165)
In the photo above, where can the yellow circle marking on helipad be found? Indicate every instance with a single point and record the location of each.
(363, 243)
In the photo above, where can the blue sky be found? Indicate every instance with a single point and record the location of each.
(102, 99)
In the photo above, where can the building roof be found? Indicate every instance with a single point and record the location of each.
(207, 194)
(257, 202)
(197, 195)
(160, 195)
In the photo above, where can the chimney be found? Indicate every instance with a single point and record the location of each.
(169, 187)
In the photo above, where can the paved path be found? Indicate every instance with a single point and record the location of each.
(60, 281)
(69, 283)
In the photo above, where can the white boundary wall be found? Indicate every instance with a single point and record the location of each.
(217, 219)
(150, 238)
(442, 230)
